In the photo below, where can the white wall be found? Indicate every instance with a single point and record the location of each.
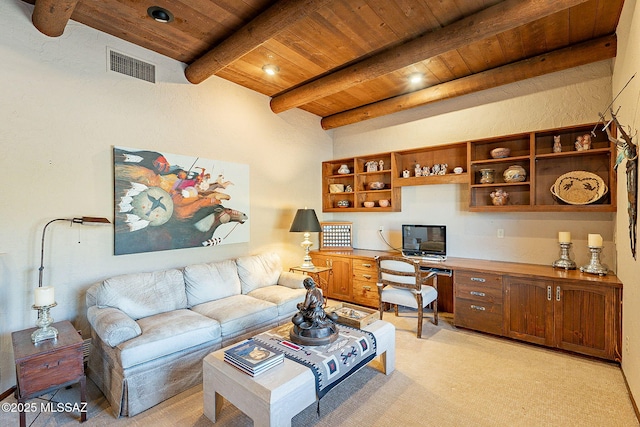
(560, 99)
(61, 114)
(628, 64)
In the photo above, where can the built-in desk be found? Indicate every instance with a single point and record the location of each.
(563, 309)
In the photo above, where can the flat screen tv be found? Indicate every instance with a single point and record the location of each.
(424, 240)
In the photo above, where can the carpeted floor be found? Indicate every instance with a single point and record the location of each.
(450, 377)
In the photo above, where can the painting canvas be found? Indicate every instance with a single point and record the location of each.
(168, 201)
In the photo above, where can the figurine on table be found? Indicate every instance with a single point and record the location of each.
(312, 325)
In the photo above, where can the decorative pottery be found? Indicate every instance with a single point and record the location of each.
(515, 173)
(336, 188)
(369, 204)
(343, 204)
(344, 169)
(487, 176)
(499, 197)
(383, 203)
(376, 185)
(458, 170)
(579, 188)
(406, 173)
(500, 152)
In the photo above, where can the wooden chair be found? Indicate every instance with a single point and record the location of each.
(401, 282)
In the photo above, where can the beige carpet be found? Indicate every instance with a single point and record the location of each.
(450, 377)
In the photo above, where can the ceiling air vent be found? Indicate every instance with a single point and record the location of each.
(133, 67)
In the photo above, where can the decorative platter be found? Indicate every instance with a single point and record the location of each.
(579, 188)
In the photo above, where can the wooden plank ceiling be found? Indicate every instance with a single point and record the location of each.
(350, 60)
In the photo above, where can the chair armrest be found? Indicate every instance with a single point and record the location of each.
(112, 325)
(292, 280)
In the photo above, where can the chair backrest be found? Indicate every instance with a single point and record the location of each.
(400, 272)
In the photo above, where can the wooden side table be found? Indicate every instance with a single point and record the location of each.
(317, 274)
(49, 365)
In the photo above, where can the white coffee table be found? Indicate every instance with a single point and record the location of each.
(274, 397)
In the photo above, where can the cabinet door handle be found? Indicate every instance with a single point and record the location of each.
(557, 293)
(478, 294)
(548, 293)
(366, 265)
(478, 307)
(478, 279)
(366, 276)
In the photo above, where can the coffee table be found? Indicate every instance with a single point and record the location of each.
(274, 397)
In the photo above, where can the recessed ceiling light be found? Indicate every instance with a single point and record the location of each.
(160, 14)
(416, 77)
(271, 69)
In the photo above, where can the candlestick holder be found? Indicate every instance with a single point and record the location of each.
(45, 331)
(565, 260)
(594, 266)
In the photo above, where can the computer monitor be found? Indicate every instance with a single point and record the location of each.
(424, 240)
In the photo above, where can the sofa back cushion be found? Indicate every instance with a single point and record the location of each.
(144, 294)
(258, 271)
(211, 281)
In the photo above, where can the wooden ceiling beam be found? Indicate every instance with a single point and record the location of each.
(489, 22)
(558, 60)
(262, 28)
(50, 17)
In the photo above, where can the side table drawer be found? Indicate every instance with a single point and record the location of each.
(480, 316)
(46, 370)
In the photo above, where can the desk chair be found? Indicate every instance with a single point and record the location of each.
(401, 282)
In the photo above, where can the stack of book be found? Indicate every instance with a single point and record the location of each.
(251, 358)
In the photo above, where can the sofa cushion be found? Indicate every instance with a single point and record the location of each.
(238, 313)
(167, 333)
(258, 271)
(211, 281)
(144, 294)
(286, 299)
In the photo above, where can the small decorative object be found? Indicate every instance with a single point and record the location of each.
(383, 203)
(443, 169)
(372, 166)
(348, 189)
(500, 152)
(557, 146)
(381, 165)
(353, 315)
(406, 173)
(565, 261)
(376, 185)
(435, 170)
(583, 142)
(425, 171)
(336, 235)
(487, 176)
(515, 173)
(579, 188)
(418, 170)
(343, 204)
(595, 266)
(311, 324)
(499, 197)
(458, 170)
(344, 169)
(336, 188)
(369, 204)
(44, 301)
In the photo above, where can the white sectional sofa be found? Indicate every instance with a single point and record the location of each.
(150, 331)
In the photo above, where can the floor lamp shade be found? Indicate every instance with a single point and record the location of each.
(306, 222)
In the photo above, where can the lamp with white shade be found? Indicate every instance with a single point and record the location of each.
(306, 222)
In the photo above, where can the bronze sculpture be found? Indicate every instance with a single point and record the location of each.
(311, 324)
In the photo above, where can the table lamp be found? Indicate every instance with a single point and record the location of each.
(44, 295)
(306, 221)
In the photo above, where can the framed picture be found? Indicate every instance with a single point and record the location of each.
(169, 201)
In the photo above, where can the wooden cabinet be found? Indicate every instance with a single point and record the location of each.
(453, 155)
(339, 283)
(534, 152)
(478, 301)
(577, 316)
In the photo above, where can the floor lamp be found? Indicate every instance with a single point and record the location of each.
(44, 295)
(306, 221)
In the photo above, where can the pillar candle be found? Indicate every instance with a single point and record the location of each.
(595, 241)
(44, 296)
(564, 237)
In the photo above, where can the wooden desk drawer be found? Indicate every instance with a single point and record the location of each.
(477, 292)
(469, 277)
(46, 370)
(486, 317)
(365, 291)
(365, 266)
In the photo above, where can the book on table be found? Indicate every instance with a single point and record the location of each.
(251, 358)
